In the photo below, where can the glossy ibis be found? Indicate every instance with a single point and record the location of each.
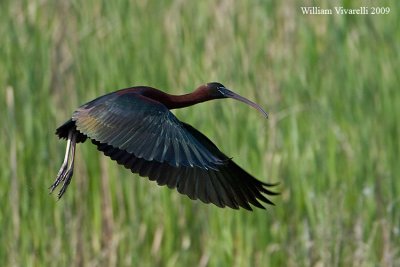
(134, 127)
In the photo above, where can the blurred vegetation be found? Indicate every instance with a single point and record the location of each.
(330, 84)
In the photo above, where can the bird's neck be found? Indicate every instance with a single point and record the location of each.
(181, 101)
(170, 101)
(176, 101)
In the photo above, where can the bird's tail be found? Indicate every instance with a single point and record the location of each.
(63, 131)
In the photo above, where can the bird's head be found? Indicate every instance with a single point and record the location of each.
(217, 90)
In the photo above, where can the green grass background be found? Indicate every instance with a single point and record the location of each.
(330, 84)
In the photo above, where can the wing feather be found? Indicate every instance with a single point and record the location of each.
(151, 132)
(228, 186)
(151, 141)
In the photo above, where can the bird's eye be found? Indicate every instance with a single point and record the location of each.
(221, 88)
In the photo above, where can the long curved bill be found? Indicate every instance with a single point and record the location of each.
(228, 93)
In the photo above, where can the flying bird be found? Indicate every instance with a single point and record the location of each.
(135, 127)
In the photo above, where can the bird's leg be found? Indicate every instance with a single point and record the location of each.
(64, 166)
(66, 170)
(68, 174)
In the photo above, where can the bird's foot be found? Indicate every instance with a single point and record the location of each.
(66, 180)
(60, 176)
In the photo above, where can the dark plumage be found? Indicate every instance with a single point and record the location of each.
(135, 128)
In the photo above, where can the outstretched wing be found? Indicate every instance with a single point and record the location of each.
(145, 129)
(227, 185)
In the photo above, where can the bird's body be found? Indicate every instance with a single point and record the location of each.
(135, 127)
